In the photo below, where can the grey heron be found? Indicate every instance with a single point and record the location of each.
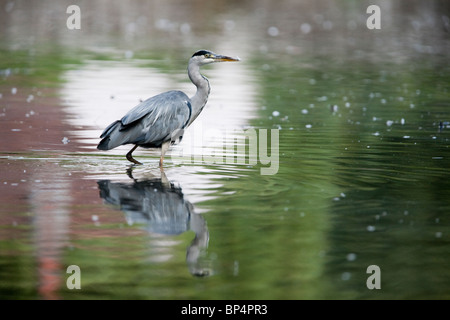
(161, 120)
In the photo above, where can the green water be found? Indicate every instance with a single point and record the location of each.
(361, 180)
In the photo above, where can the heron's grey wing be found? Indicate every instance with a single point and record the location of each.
(157, 119)
(154, 105)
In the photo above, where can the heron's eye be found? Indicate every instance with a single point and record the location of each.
(207, 55)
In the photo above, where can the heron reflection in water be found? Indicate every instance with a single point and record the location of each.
(160, 206)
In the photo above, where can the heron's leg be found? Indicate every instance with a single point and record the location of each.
(164, 181)
(130, 157)
(164, 148)
(130, 172)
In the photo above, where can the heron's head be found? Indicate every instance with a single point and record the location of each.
(205, 57)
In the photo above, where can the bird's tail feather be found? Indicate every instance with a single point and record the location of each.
(111, 137)
(104, 144)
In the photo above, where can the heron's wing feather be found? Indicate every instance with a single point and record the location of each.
(167, 125)
(156, 119)
(153, 107)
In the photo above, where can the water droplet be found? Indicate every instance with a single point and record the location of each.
(185, 28)
(327, 25)
(351, 257)
(273, 31)
(308, 126)
(275, 113)
(236, 268)
(305, 111)
(129, 54)
(389, 123)
(14, 90)
(371, 228)
(346, 276)
(305, 28)
(229, 25)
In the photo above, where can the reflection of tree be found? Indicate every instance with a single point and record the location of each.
(161, 207)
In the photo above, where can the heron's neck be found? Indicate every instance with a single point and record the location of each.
(198, 101)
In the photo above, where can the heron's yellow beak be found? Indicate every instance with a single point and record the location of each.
(220, 58)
